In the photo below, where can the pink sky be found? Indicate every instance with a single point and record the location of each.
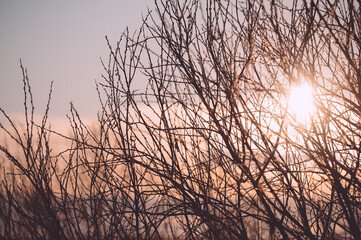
(60, 41)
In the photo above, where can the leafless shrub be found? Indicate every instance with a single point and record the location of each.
(209, 148)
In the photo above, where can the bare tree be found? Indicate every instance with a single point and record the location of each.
(210, 148)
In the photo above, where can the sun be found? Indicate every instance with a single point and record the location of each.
(301, 102)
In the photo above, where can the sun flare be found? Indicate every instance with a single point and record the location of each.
(301, 102)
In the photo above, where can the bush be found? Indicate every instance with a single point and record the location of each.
(210, 148)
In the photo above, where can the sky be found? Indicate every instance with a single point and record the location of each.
(60, 41)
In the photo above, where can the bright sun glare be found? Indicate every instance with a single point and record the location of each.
(300, 102)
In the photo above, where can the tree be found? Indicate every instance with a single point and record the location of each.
(210, 148)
